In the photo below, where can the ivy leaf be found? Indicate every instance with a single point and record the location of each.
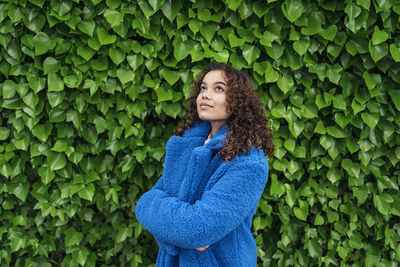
(221, 56)
(285, 83)
(342, 120)
(38, 3)
(334, 175)
(329, 33)
(371, 80)
(195, 25)
(279, 111)
(60, 146)
(142, 24)
(245, 10)
(395, 52)
(319, 220)
(271, 75)
(314, 24)
(100, 63)
(46, 174)
(379, 36)
(51, 65)
(87, 27)
(146, 8)
(123, 233)
(55, 98)
(87, 192)
(276, 187)
(171, 9)
(170, 76)
(234, 4)
(351, 167)
(85, 52)
(371, 119)
(156, 4)
(336, 132)
(9, 89)
(14, 50)
(42, 43)
(235, 41)
(21, 191)
(5, 170)
(135, 61)
(292, 9)
(395, 96)
(301, 46)
(251, 53)
(80, 255)
(352, 10)
(382, 203)
(208, 30)
(56, 161)
(89, 134)
(104, 37)
(339, 102)
(296, 128)
(172, 110)
(4, 133)
(275, 51)
(301, 212)
(42, 131)
(72, 237)
(364, 3)
(378, 51)
(260, 8)
(181, 49)
(54, 83)
(371, 258)
(268, 37)
(291, 196)
(113, 17)
(163, 95)
(36, 84)
(260, 223)
(125, 75)
(117, 55)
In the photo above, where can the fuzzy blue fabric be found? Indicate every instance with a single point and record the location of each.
(202, 200)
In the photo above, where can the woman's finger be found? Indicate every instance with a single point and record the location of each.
(202, 248)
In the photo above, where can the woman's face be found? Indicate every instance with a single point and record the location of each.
(211, 101)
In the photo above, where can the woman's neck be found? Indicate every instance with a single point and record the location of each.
(210, 136)
(215, 126)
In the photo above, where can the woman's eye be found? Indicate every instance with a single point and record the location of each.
(203, 88)
(219, 89)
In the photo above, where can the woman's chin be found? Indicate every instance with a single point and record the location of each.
(205, 118)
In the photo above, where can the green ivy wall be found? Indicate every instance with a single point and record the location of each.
(90, 91)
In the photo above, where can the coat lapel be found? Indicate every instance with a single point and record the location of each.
(178, 151)
(203, 162)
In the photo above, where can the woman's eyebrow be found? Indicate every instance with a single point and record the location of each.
(215, 83)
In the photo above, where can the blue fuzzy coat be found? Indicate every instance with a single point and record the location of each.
(201, 200)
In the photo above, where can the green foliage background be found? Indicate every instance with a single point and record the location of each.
(90, 92)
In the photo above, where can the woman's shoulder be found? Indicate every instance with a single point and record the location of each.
(253, 158)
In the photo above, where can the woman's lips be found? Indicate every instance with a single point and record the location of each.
(204, 106)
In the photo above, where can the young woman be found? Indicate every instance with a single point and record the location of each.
(200, 210)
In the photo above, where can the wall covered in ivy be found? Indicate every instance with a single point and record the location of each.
(90, 91)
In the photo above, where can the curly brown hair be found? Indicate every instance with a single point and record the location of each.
(249, 124)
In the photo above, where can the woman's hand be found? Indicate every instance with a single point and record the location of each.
(202, 248)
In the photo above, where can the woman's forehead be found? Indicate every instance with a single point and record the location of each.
(214, 76)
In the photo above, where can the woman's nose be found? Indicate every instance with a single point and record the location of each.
(204, 94)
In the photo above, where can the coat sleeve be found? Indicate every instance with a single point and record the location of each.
(171, 249)
(209, 219)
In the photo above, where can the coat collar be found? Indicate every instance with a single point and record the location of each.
(203, 129)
